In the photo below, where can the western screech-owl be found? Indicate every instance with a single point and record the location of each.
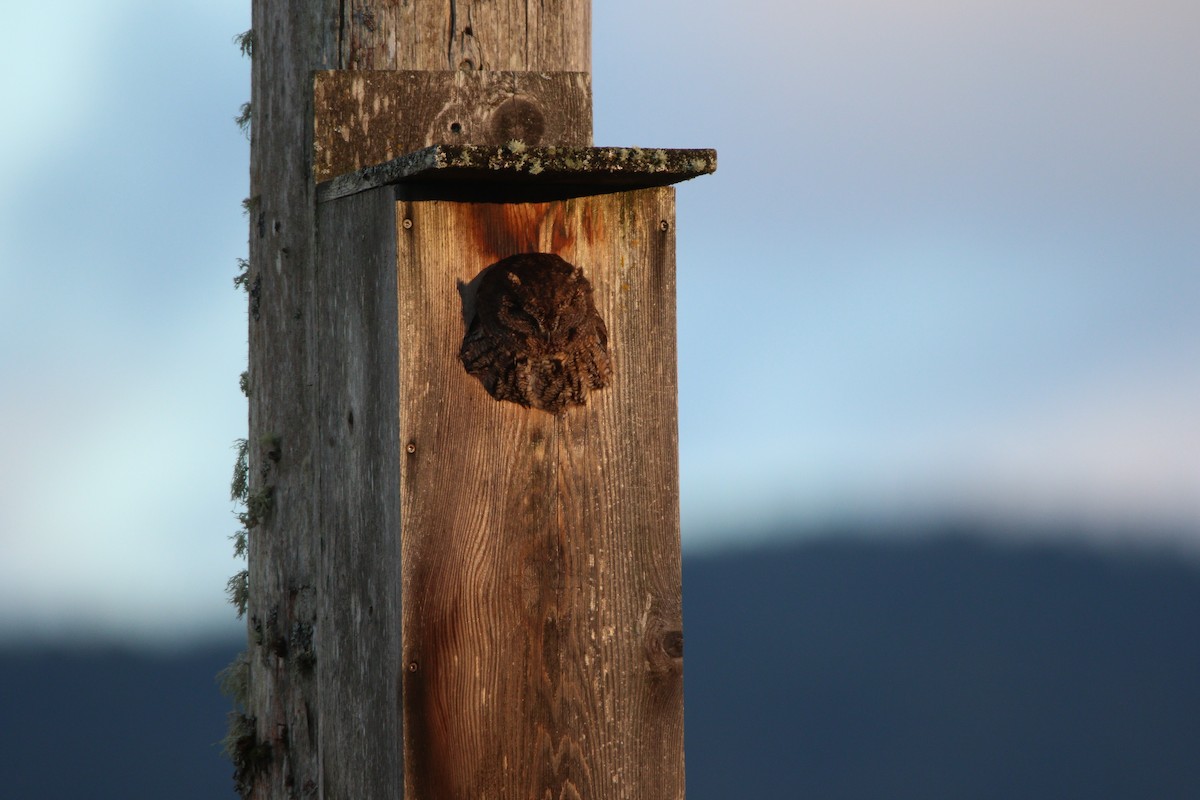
(535, 337)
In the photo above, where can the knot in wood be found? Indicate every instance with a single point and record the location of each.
(535, 337)
(518, 119)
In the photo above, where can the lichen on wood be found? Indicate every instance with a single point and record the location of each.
(591, 170)
(248, 754)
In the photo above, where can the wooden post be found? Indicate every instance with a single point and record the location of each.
(451, 595)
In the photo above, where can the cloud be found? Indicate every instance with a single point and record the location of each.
(950, 256)
(119, 323)
(944, 242)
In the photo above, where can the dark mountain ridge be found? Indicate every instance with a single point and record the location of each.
(865, 668)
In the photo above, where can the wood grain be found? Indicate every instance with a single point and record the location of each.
(284, 550)
(467, 35)
(369, 117)
(540, 553)
(538, 556)
(358, 522)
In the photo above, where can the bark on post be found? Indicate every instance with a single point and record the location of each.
(532, 556)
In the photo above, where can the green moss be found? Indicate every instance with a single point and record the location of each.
(243, 117)
(240, 727)
(239, 486)
(304, 655)
(245, 42)
(258, 507)
(242, 279)
(238, 591)
(272, 447)
(249, 756)
(234, 680)
(241, 541)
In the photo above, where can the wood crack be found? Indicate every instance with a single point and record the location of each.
(451, 33)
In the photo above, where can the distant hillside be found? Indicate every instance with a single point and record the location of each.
(942, 669)
(836, 669)
(113, 725)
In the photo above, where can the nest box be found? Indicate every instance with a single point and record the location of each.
(498, 320)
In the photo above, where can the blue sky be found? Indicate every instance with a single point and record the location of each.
(950, 263)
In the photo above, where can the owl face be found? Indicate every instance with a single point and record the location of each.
(536, 338)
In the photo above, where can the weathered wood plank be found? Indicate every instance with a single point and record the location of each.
(468, 35)
(364, 118)
(542, 628)
(358, 522)
(571, 568)
(565, 171)
(283, 556)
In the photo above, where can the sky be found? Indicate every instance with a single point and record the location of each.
(949, 265)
